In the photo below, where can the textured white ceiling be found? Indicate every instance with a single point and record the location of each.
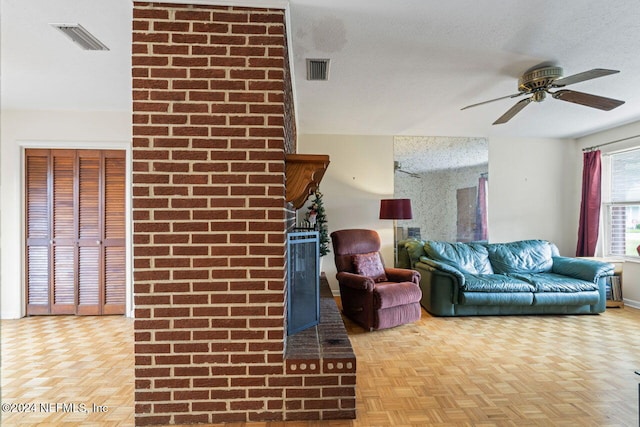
(406, 68)
(42, 69)
(397, 68)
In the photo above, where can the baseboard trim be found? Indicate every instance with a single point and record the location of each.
(631, 303)
(11, 315)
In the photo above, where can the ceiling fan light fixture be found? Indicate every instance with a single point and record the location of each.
(539, 78)
(79, 35)
(539, 96)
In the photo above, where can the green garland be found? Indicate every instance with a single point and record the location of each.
(317, 217)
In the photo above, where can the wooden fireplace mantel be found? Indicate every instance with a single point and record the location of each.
(303, 173)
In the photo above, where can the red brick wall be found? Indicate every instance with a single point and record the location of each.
(212, 120)
(209, 213)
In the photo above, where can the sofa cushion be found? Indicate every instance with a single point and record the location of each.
(551, 282)
(566, 298)
(495, 283)
(526, 256)
(471, 258)
(497, 298)
(370, 265)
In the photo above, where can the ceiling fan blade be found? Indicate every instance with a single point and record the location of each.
(515, 95)
(594, 101)
(411, 174)
(512, 111)
(398, 168)
(580, 77)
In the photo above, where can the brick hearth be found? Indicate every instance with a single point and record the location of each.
(321, 367)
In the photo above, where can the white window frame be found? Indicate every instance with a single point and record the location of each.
(607, 204)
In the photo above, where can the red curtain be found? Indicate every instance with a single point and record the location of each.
(481, 231)
(590, 206)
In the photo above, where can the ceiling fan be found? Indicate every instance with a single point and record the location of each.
(539, 82)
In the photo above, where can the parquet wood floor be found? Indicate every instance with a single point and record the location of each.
(49, 360)
(473, 371)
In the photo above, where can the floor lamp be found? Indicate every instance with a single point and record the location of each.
(395, 209)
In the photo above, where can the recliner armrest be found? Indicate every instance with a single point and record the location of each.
(402, 275)
(584, 269)
(355, 281)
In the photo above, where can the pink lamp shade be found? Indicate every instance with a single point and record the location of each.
(395, 209)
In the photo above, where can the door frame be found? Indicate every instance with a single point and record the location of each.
(79, 145)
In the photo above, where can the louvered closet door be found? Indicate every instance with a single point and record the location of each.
(113, 239)
(38, 230)
(101, 234)
(75, 232)
(63, 295)
(89, 233)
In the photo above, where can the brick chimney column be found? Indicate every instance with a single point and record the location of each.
(209, 214)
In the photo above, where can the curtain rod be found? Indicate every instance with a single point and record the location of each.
(595, 147)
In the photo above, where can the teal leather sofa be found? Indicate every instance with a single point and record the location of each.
(524, 277)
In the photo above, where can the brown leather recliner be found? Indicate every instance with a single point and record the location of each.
(373, 296)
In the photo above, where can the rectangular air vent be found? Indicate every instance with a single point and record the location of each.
(317, 69)
(81, 36)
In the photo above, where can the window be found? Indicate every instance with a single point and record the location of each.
(623, 208)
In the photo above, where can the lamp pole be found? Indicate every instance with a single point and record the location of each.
(395, 242)
(395, 209)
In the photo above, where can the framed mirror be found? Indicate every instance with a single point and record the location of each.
(446, 179)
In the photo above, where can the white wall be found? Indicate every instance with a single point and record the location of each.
(631, 283)
(631, 267)
(534, 192)
(44, 129)
(359, 175)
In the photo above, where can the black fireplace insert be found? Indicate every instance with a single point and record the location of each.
(303, 293)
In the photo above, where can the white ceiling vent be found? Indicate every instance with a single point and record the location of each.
(317, 69)
(81, 36)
